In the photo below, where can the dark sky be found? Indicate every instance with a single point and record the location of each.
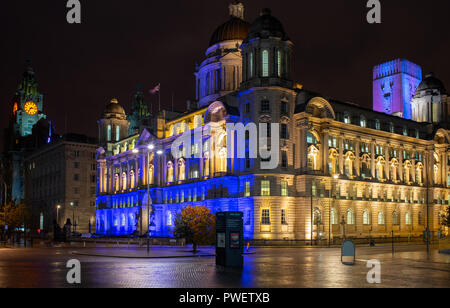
(123, 43)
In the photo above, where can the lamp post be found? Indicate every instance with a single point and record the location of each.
(57, 213)
(333, 184)
(343, 223)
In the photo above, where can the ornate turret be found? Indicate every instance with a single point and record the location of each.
(139, 111)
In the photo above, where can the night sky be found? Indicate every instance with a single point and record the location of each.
(123, 43)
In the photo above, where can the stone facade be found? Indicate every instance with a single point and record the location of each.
(61, 183)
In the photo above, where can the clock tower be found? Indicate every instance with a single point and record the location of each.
(27, 105)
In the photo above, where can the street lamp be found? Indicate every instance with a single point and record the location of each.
(343, 223)
(57, 214)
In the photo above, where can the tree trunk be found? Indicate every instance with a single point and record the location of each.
(194, 247)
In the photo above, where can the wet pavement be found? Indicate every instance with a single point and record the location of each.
(266, 268)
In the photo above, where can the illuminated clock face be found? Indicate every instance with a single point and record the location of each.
(31, 108)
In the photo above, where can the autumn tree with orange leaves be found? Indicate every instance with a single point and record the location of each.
(197, 225)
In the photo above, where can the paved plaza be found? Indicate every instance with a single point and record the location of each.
(264, 268)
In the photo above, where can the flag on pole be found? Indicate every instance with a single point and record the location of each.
(156, 89)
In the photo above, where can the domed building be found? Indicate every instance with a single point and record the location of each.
(221, 72)
(332, 170)
(113, 126)
(431, 102)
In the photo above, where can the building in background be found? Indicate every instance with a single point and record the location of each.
(61, 183)
(26, 112)
(394, 85)
(344, 171)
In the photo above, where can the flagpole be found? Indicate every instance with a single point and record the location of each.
(159, 99)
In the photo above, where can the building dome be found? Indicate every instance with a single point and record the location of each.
(431, 83)
(113, 108)
(266, 26)
(236, 28)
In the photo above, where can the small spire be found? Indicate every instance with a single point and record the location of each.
(237, 10)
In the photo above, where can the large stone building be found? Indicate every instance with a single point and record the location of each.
(61, 183)
(344, 170)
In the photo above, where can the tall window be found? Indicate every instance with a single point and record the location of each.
(395, 220)
(247, 189)
(250, 60)
(265, 188)
(366, 217)
(284, 188)
(284, 131)
(346, 118)
(283, 217)
(265, 106)
(350, 217)
(265, 217)
(169, 218)
(377, 125)
(207, 84)
(363, 121)
(334, 217)
(381, 220)
(391, 127)
(117, 133)
(265, 63)
(279, 63)
(109, 133)
(408, 219)
(284, 160)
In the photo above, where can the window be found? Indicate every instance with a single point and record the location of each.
(279, 63)
(391, 127)
(284, 160)
(363, 121)
(311, 139)
(346, 118)
(405, 131)
(381, 221)
(284, 188)
(265, 217)
(265, 188)
(247, 189)
(284, 131)
(350, 217)
(417, 133)
(247, 108)
(117, 133)
(408, 219)
(76, 153)
(76, 165)
(76, 177)
(377, 124)
(366, 217)
(109, 133)
(334, 217)
(251, 65)
(284, 108)
(395, 220)
(265, 106)
(265, 63)
(169, 218)
(283, 217)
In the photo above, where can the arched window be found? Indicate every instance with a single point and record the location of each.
(109, 133)
(394, 170)
(313, 158)
(408, 221)
(132, 179)
(350, 217)
(407, 172)
(381, 220)
(265, 63)
(170, 172)
(333, 162)
(181, 170)
(365, 167)
(380, 168)
(349, 164)
(366, 217)
(207, 84)
(151, 174)
(395, 219)
(116, 182)
(124, 181)
(334, 217)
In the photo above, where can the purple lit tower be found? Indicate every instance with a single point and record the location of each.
(394, 85)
